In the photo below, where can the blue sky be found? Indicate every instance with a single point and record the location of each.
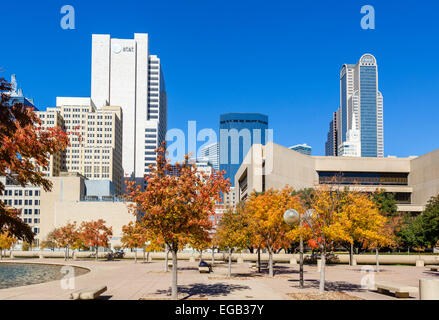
(281, 58)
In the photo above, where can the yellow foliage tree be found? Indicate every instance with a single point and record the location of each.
(6, 242)
(362, 220)
(265, 219)
(232, 232)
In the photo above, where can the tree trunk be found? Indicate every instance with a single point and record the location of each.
(301, 263)
(147, 256)
(377, 260)
(1, 254)
(213, 256)
(201, 255)
(135, 255)
(166, 259)
(322, 272)
(351, 255)
(174, 289)
(65, 254)
(259, 260)
(143, 254)
(96, 253)
(229, 271)
(270, 263)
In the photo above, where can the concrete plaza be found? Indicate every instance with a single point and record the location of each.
(127, 280)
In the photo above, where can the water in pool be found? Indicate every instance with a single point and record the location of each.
(23, 274)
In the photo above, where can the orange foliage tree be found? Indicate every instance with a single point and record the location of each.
(24, 148)
(67, 237)
(134, 236)
(95, 234)
(265, 219)
(176, 208)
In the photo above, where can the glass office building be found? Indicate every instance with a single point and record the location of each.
(238, 132)
(361, 99)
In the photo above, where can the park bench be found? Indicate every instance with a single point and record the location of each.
(88, 294)
(432, 268)
(400, 291)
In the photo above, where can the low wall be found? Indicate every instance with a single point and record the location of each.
(237, 257)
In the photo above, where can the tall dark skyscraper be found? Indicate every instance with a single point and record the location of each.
(238, 132)
(331, 147)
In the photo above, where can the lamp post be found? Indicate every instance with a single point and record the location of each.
(292, 218)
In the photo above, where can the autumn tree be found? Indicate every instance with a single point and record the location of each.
(50, 241)
(67, 237)
(6, 242)
(325, 225)
(265, 219)
(25, 147)
(95, 234)
(231, 233)
(134, 236)
(176, 207)
(362, 221)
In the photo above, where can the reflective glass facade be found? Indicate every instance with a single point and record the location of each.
(368, 109)
(235, 141)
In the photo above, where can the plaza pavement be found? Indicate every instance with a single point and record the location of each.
(127, 280)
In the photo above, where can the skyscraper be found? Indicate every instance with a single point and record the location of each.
(238, 132)
(211, 153)
(331, 147)
(359, 96)
(125, 74)
(95, 151)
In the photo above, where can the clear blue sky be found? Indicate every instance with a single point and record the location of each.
(281, 58)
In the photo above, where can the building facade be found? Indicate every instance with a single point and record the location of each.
(331, 145)
(211, 153)
(413, 180)
(95, 149)
(25, 199)
(238, 132)
(125, 74)
(70, 201)
(360, 96)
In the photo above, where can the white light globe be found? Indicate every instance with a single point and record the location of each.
(291, 217)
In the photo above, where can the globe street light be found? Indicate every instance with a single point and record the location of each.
(293, 218)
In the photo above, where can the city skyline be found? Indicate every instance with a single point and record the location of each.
(409, 103)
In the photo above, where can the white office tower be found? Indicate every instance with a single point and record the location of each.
(359, 96)
(211, 152)
(352, 146)
(126, 75)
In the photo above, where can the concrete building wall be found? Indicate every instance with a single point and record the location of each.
(424, 177)
(64, 204)
(283, 167)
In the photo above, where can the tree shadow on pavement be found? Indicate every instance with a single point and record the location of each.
(331, 285)
(205, 290)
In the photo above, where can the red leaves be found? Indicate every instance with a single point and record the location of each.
(24, 148)
(177, 207)
(95, 233)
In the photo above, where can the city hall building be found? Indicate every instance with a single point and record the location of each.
(413, 180)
